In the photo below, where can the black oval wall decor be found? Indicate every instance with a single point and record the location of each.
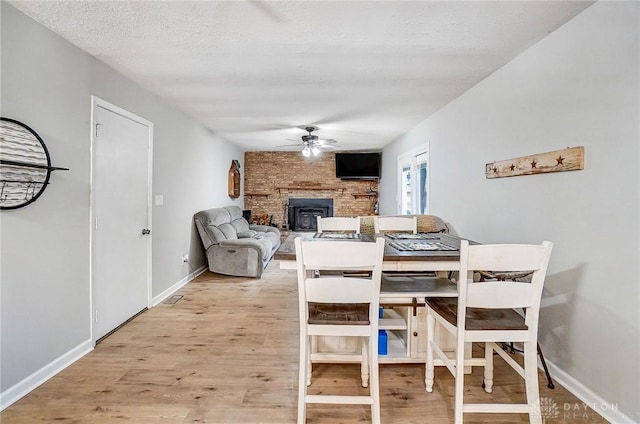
(25, 164)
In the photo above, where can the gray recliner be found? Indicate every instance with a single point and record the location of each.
(232, 245)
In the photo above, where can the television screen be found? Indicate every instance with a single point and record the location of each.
(358, 166)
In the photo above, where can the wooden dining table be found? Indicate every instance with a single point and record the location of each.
(443, 256)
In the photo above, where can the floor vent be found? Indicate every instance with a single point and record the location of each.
(173, 299)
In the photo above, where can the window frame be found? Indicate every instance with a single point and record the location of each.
(410, 158)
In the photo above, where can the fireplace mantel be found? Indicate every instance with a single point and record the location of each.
(302, 188)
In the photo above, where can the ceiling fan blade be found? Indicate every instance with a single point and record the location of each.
(259, 128)
(310, 140)
(323, 141)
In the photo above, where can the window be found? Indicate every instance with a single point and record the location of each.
(413, 183)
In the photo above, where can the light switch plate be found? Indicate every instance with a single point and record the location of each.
(159, 200)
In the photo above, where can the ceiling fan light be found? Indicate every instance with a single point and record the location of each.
(315, 151)
(306, 152)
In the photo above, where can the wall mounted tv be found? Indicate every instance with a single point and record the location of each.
(358, 166)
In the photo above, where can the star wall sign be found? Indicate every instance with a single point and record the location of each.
(569, 159)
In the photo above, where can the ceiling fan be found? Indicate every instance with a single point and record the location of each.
(312, 144)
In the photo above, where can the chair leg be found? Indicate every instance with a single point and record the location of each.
(364, 365)
(531, 382)
(546, 370)
(488, 368)
(303, 378)
(429, 367)
(459, 388)
(309, 367)
(374, 386)
(312, 347)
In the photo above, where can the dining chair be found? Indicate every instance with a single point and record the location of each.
(485, 312)
(383, 224)
(335, 305)
(338, 223)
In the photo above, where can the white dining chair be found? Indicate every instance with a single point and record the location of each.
(484, 312)
(339, 223)
(384, 224)
(335, 305)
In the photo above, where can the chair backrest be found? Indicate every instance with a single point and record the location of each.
(338, 223)
(503, 294)
(395, 223)
(339, 255)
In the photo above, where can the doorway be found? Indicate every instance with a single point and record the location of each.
(121, 155)
(413, 182)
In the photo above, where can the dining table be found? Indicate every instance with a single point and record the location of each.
(403, 252)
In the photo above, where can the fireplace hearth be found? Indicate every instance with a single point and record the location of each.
(303, 213)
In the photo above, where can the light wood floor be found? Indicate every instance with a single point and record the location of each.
(227, 353)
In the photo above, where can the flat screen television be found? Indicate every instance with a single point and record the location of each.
(358, 166)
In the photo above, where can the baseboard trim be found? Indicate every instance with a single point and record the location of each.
(21, 389)
(607, 410)
(168, 292)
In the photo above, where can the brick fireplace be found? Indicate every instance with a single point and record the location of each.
(273, 179)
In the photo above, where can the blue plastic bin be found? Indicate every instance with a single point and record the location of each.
(382, 342)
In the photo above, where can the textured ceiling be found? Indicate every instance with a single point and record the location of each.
(364, 72)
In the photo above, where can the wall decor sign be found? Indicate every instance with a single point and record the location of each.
(25, 166)
(569, 159)
(234, 179)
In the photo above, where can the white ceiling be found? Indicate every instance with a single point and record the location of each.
(364, 72)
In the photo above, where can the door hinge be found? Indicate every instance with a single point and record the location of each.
(97, 129)
(95, 224)
(95, 318)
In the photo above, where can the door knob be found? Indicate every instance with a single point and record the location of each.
(146, 231)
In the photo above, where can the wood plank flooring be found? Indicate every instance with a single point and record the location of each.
(227, 352)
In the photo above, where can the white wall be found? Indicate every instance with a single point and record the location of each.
(47, 83)
(577, 87)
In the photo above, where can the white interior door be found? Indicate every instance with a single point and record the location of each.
(121, 239)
